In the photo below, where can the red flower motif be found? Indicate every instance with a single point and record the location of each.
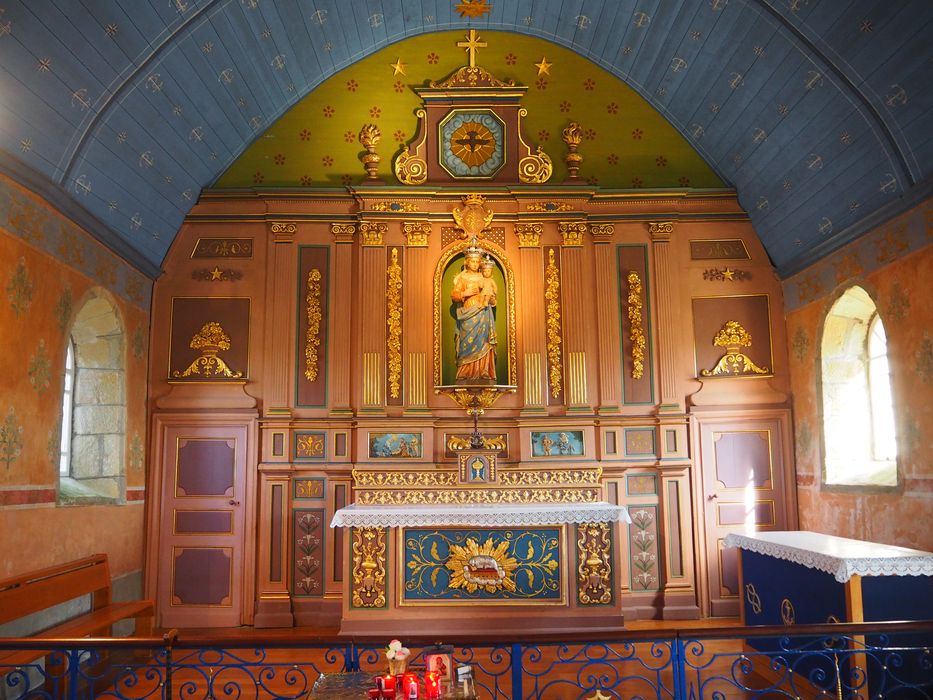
(612, 108)
(433, 58)
(347, 180)
(565, 106)
(352, 85)
(398, 86)
(541, 83)
(661, 161)
(374, 112)
(592, 180)
(349, 136)
(279, 159)
(258, 177)
(612, 159)
(544, 135)
(304, 135)
(328, 111)
(589, 134)
(684, 182)
(636, 182)
(589, 84)
(637, 134)
(327, 161)
(510, 59)
(399, 135)
(305, 180)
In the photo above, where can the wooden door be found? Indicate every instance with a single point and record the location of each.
(201, 533)
(746, 474)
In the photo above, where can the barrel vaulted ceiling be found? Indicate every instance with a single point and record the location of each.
(818, 112)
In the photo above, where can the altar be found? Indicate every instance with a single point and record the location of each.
(421, 569)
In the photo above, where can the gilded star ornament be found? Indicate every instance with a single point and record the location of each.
(544, 68)
(217, 273)
(399, 67)
(473, 8)
(728, 273)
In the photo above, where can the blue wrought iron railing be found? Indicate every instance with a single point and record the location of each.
(843, 662)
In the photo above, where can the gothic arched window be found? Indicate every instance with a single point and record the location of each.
(859, 446)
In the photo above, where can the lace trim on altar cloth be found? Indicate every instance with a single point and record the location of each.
(492, 516)
(837, 556)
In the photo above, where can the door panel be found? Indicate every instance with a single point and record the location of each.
(201, 533)
(743, 481)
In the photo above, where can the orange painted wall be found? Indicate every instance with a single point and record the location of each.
(894, 264)
(45, 260)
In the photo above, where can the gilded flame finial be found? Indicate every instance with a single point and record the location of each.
(572, 135)
(369, 138)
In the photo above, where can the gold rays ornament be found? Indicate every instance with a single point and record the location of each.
(485, 567)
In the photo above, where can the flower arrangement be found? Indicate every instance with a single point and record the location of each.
(397, 656)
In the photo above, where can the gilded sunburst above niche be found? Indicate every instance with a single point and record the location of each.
(626, 143)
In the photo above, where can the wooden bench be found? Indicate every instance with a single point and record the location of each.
(36, 591)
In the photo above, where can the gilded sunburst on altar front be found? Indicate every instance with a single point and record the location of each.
(483, 567)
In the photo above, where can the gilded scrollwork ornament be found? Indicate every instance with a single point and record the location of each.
(572, 233)
(210, 340)
(733, 337)
(636, 329)
(313, 314)
(394, 325)
(529, 234)
(369, 567)
(594, 568)
(416, 233)
(410, 169)
(535, 168)
(372, 232)
(459, 496)
(553, 326)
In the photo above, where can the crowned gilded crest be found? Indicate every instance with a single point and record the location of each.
(474, 217)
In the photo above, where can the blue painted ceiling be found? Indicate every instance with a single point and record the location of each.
(819, 112)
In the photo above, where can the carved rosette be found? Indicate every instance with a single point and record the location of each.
(343, 233)
(553, 327)
(369, 567)
(733, 337)
(594, 564)
(416, 233)
(394, 324)
(372, 232)
(529, 235)
(572, 233)
(636, 330)
(210, 340)
(314, 314)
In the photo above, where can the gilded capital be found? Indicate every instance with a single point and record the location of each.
(661, 230)
(372, 232)
(529, 235)
(602, 233)
(572, 232)
(343, 233)
(416, 233)
(283, 229)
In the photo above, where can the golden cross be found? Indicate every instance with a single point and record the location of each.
(471, 45)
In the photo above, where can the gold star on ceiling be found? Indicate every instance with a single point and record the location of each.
(473, 8)
(399, 67)
(544, 68)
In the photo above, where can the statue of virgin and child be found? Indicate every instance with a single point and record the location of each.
(474, 294)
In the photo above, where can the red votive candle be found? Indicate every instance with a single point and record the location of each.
(432, 687)
(375, 693)
(387, 685)
(410, 686)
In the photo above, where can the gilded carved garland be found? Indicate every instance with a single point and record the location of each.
(314, 315)
(554, 340)
(394, 324)
(636, 332)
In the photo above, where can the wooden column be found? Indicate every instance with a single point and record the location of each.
(340, 328)
(372, 331)
(675, 527)
(575, 316)
(667, 315)
(273, 600)
(534, 344)
(417, 316)
(607, 319)
(280, 319)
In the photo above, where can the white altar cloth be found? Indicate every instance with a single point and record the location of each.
(837, 556)
(479, 515)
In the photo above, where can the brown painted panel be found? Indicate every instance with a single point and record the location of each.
(205, 468)
(202, 576)
(313, 269)
(634, 258)
(340, 500)
(308, 567)
(189, 316)
(203, 522)
(761, 513)
(710, 314)
(674, 525)
(743, 458)
(729, 568)
(275, 533)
